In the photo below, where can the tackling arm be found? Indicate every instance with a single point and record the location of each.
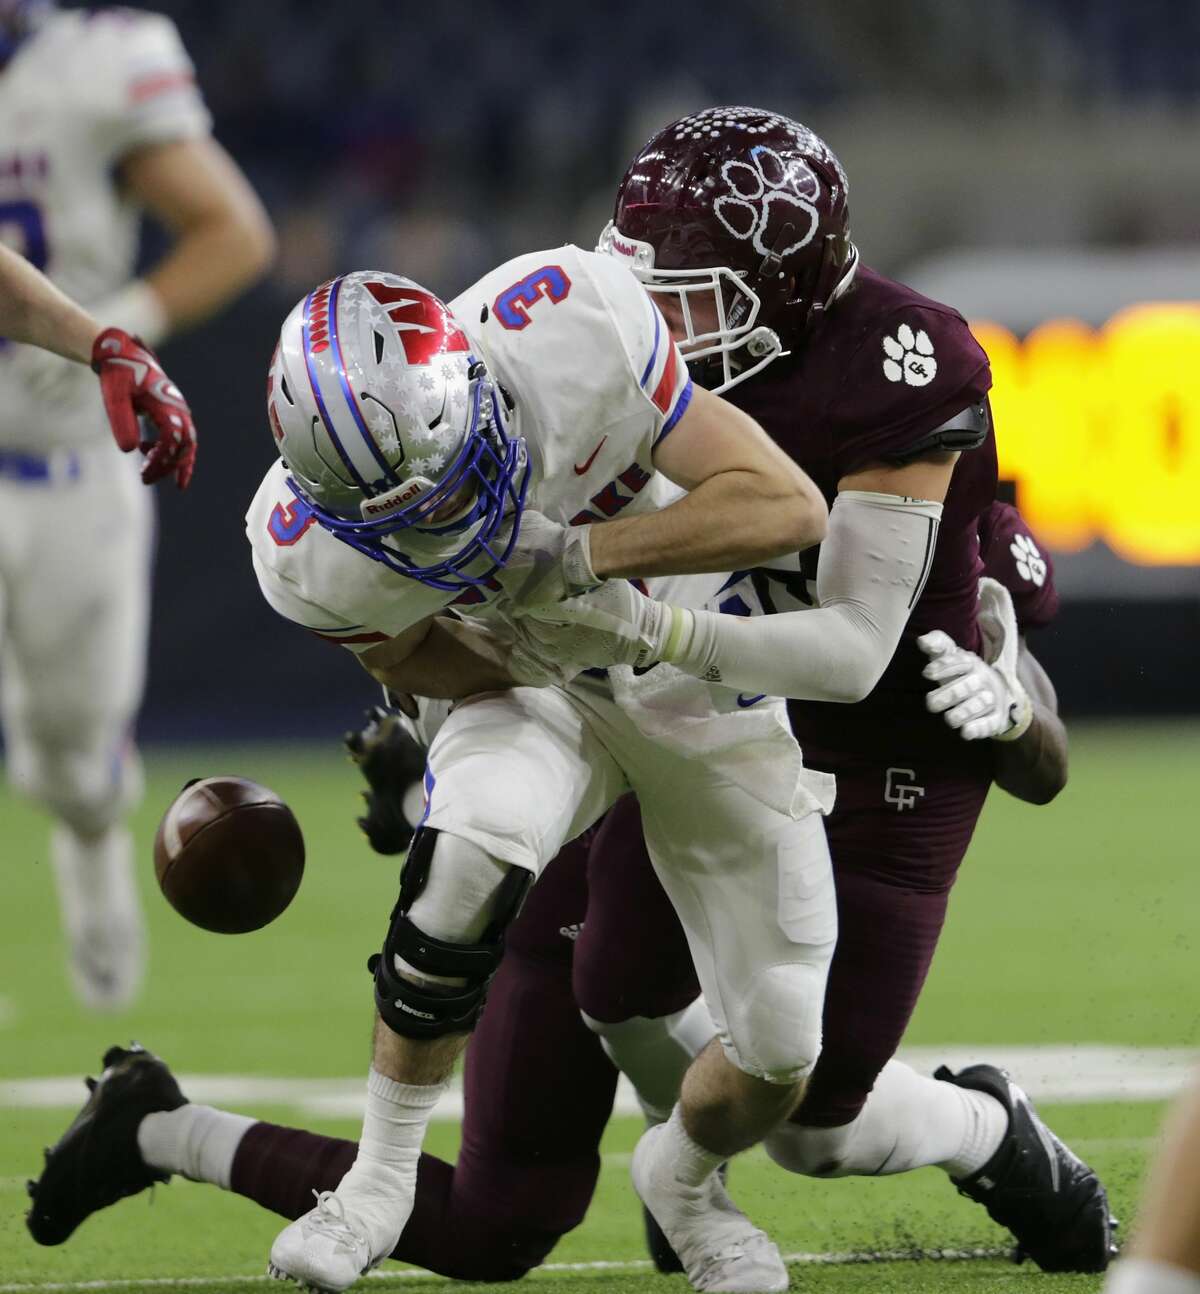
(1034, 767)
(872, 567)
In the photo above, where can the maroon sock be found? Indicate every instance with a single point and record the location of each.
(280, 1168)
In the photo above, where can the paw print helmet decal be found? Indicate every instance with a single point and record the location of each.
(736, 219)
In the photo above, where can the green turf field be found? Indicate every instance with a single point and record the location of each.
(1072, 924)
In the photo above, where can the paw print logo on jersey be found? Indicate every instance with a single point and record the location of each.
(1031, 565)
(769, 197)
(908, 357)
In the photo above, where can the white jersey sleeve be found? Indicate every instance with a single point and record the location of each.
(316, 581)
(148, 93)
(653, 357)
(585, 352)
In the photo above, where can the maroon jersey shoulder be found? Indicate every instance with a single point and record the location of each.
(1012, 554)
(905, 366)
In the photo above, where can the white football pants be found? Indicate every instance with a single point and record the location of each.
(520, 773)
(74, 597)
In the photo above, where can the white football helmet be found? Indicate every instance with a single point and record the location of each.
(391, 428)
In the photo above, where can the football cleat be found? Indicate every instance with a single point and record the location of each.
(325, 1251)
(1050, 1200)
(718, 1247)
(665, 1259)
(96, 1162)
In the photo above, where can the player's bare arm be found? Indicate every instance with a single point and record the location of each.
(441, 657)
(223, 240)
(925, 477)
(1034, 767)
(34, 311)
(747, 501)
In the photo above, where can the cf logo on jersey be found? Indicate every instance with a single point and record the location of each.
(900, 788)
(908, 357)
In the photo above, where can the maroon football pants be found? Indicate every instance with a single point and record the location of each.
(896, 837)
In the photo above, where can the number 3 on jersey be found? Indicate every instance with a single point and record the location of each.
(288, 522)
(511, 307)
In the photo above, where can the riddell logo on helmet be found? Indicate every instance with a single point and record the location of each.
(626, 249)
(390, 505)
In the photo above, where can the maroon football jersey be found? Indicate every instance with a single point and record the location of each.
(1013, 556)
(885, 368)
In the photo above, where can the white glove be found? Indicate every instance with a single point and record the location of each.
(548, 562)
(978, 697)
(612, 625)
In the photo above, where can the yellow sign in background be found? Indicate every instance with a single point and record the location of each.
(1102, 430)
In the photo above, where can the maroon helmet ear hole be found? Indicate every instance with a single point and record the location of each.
(750, 190)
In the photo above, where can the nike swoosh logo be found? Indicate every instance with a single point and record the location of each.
(579, 471)
(745, 702)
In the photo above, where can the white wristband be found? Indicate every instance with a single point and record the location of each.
(137, 308)
(1022, 713)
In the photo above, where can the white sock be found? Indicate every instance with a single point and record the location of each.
(909, 1121)
(195, 1140)
(986, 1125)
(1150, 1276)
(690, 1163)
(654, 1053)
(393, 1129)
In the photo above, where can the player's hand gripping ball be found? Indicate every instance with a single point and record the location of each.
(229, 854)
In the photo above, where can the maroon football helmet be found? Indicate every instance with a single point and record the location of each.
(736, 219)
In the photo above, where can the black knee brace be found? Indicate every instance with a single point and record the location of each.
(429, 1011)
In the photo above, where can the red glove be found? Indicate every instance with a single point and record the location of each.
(134, 386)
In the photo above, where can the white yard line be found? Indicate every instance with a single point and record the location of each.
(1080, 1073)
(547, 1269)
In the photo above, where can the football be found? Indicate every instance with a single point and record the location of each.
(229, 854)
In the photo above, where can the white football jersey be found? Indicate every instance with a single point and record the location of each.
(86, 89)
(597, 382)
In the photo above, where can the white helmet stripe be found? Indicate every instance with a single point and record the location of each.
(348, 390)
(310, 363)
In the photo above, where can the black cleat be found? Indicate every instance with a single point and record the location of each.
(96, 1161)
(665, 1258)
(1050, 1200)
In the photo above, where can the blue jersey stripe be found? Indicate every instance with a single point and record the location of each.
(680, 408)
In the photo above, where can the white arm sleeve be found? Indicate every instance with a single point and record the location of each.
(872, 568)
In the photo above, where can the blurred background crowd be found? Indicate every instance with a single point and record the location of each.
(1028, 161)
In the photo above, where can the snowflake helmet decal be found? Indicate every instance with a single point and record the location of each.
(392, 430)
(749, 206)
